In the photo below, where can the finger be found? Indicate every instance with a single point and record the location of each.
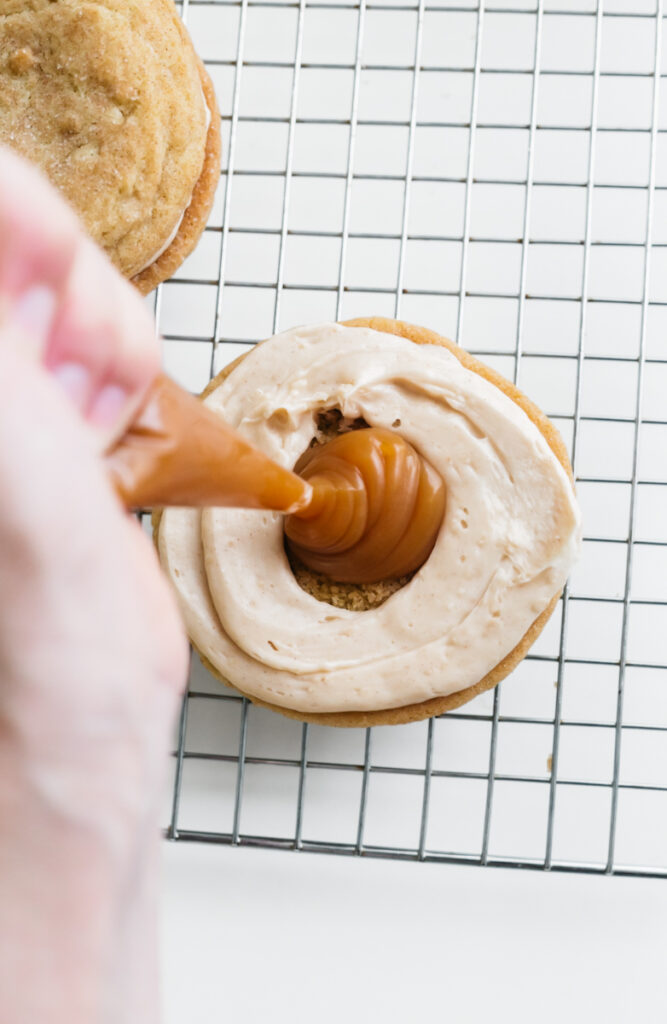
(64, 298)
(52, 483)
(102, 347)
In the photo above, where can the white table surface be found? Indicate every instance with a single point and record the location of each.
(256, 935)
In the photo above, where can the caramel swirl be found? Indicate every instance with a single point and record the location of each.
(375, 511)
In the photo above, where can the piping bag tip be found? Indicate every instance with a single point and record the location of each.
(177, 452)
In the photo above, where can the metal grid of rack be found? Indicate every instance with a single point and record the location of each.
(497, 173)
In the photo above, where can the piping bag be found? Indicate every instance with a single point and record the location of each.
(178, 452)
(361, 508)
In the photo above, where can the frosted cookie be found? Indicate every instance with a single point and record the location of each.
(401, 650)
(109, 98)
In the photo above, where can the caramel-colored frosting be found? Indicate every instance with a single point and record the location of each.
(376, 508)
(508, 540)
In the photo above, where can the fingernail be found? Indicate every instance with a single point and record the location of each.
(32, 313)
(108, 406)
(75, 380)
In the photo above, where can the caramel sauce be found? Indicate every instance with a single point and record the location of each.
(361, 508)
(376, 509)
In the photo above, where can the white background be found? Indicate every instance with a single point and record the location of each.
(254, 936)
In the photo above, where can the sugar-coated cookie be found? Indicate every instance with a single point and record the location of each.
(109, 98)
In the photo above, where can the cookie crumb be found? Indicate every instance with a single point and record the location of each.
(86, 156)
(331, 422)
(22, 60)
(355, 597)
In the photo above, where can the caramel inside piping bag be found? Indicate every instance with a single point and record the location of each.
(178, 452)
(361, 508)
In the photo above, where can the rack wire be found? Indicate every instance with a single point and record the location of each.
(498, 173)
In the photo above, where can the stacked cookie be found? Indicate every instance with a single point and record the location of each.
(109, 98)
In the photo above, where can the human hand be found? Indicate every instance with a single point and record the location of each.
(92, 652)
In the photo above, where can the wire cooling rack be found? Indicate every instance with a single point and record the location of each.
(497, 173)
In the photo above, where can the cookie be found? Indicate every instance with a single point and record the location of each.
(545, 443)
(110, 100)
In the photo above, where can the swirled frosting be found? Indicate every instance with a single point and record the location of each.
(507, 542)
